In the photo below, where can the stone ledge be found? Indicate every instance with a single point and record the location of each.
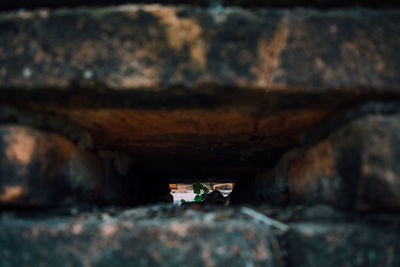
(172, 236)
(123, 240)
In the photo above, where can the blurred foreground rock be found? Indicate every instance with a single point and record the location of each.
(139, 237)
(173, 236)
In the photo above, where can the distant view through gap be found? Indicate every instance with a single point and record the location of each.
(185, 191)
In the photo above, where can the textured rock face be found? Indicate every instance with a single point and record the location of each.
(343, 244)
(192, 47)
(355, 167)
(184, 93)
(171, 236)
(189, 90)
(196, 143)
(185, 239)
(44, 169)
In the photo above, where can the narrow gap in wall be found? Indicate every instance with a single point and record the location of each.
(185, 191)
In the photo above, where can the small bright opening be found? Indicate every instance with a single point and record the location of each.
(185, 191)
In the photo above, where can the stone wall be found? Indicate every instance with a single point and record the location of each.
(102, 106)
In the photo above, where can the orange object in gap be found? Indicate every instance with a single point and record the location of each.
(173, 186)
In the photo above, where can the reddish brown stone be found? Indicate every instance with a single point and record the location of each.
(354, 167)
(195, 144)
(44, 169)
(190, 91)
(153, 47)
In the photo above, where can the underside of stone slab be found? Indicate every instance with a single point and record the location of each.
(225, 136)
(194, 93)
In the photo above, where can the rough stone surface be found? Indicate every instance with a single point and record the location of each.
(137, 237)
(139, 46)
(188, 90)
(158, 93)
(173, 236)
(196, 143)
(48, 122)
(180, 136)
(343, 244)
(44, 169)
(39, 168)
(354, 167)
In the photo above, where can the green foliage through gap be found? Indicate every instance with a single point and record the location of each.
(201, 192)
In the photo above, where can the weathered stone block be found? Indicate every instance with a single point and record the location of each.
(174, 86)
(39, 168)
(354, 167)
(139, 46)
(192, 239)
(44, 169)
(343, 244)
